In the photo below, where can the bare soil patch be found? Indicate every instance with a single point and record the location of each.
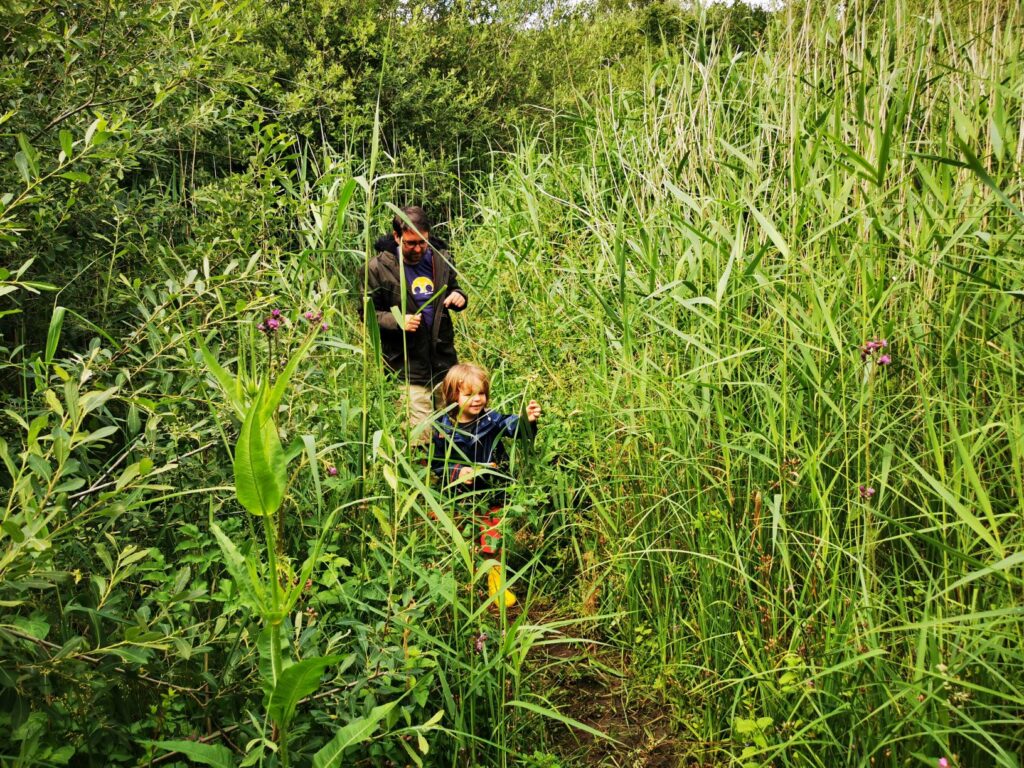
(594, 685)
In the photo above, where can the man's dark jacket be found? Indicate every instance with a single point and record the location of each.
(428, 352)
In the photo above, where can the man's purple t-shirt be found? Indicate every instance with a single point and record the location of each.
(420, 277)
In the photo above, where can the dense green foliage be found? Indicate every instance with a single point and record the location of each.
(686, 233)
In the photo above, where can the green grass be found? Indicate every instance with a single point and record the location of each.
(684, 274)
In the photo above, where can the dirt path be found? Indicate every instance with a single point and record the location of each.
(591, 684)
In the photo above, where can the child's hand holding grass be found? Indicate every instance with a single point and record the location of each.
(533, 411)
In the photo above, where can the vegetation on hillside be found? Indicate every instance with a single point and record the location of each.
(763, 272)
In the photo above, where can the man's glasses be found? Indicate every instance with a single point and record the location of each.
(413, 245)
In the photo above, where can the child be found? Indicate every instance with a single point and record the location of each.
(468, 450)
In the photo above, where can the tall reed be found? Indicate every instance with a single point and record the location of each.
(817, 541)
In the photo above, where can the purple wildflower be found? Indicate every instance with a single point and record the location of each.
(866, 492)
(308, 314)
(332, 471)
(273, 323)
(324, 326)
(275, 313)
(869, 348)
(262, 327)
(480, 640)
(943, 762)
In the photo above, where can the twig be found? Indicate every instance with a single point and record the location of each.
(101, 486)
(96, 660)
(105, 475)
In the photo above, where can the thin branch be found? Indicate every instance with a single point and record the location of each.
(96, 660)
(101, 485)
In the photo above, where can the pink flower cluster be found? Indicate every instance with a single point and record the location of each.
(271, 323)
(315, 317)
(866, 492)
(869, 348)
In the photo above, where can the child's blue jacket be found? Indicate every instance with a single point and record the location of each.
(479, 442)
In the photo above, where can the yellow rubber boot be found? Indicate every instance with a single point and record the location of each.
(494, 584)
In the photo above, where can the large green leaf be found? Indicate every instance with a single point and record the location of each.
(261, 474)
(362, 728)
(197, 752)
(297, 682)
(271, 655)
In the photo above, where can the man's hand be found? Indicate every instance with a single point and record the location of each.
(412, 322)
(533, 411)
(455, 299)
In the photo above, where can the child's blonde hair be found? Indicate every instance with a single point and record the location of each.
(466, 376)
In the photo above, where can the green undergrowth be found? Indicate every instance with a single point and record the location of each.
(770, 301)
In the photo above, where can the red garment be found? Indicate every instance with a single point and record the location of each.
(490, 536)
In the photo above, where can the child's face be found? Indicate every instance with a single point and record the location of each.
(471, 402)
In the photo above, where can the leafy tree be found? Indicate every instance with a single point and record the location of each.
(113, 114)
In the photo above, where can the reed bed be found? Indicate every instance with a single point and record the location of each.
(806, 544)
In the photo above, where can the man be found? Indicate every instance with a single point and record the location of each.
(413, 276)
